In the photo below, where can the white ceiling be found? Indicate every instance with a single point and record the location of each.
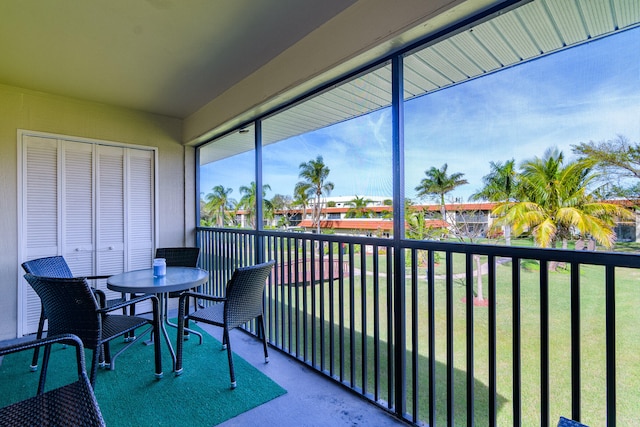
(169, 57)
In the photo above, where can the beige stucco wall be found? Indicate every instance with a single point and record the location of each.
(24, 109)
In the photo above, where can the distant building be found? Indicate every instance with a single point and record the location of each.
(475, 217)
(344, 201)
(380, 223)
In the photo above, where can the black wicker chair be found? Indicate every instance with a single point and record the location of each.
(71, 308)
(73, 404)
(180, 257)
(242, 303)
(56, 266)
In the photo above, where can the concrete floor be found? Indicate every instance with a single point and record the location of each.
(311, 399)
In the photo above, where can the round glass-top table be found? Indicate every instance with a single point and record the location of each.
(144, 282)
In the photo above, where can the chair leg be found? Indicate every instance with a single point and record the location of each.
(94, 365)
(131, 335)
(36, 351)
(132, 308)
(185, 333)
(232, 374)
(186, 323)
(180, 342)
(101, 362)
(107, 355)
(43, 371)
(262, 330)
(157, 338)
(185, 330)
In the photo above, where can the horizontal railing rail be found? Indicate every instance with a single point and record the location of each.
(450, 333)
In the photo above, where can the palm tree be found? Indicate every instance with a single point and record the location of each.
(218, 203)
(248, 200)
(555, 201)
(358, 208)
(301, 198)
(314, 174)
(437, 184)
(500, 185)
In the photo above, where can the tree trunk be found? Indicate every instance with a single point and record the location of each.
(478, 260)
(553, 265)
(507, 234)
(318, 211)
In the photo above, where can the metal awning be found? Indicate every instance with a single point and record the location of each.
(535, 29)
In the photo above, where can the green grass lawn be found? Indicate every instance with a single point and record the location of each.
(592, 300)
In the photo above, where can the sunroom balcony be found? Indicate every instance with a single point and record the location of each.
(367, 330)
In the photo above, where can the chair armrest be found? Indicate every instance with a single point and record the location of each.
(96, 277)
(71, 404)
(200, 295)
(69, 339)
(100, 297)
(103, 302)
(127, 303)
(26, 345)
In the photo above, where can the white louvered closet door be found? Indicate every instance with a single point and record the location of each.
(140, 208)
(78, 213)
(93, 203)
(125, 212)
(40, 218)
(110, 213)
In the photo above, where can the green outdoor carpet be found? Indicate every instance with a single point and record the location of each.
(131, 396)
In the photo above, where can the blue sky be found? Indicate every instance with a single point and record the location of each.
(590, 92)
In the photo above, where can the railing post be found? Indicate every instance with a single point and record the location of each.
(397, 112)
(470, 354)
(544, 344)
(610, 283)
(450, 340)
(259, 248)
(432, 336)
(575, 341)
(493, 376)
(517, 362)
